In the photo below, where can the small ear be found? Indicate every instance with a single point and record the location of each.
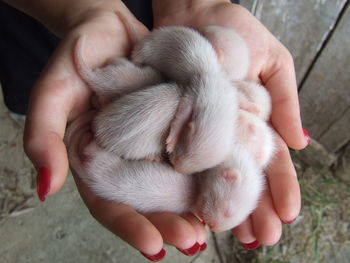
(231, 176)
(220, 55)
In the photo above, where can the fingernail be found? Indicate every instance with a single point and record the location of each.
(156, 257)
(288, 222)
(203, 247)
(307, 136)
(203, 223)
(251, 246)
(43, 183)
(190, 251)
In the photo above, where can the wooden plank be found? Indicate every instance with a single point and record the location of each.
(315, 155)
(300, 25)
(338, 134)
(325, 97)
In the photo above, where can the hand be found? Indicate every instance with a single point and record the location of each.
(272, 65)
(60, 96)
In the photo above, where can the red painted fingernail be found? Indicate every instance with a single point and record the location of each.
(191, 251)
(43, 183)
(203, 223)
(203, 247)
(307, 136)
(288, 222)
(156, 257)
(251, 246)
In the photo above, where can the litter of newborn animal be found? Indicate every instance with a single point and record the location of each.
(182, 95)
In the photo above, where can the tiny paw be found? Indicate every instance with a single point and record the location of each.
(182, 116)
(155, 158)
(120, 61)
(231, 176)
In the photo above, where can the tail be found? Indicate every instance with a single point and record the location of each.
(130, 29)
(72, 139)
(83, 70)
(97, 80)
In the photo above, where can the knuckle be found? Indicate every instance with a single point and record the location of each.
(287, 57)
(30, 145)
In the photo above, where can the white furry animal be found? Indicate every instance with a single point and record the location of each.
(229, 192)
(202, 130)
(231, 49)
(138, 133)
(146, 186)
(253, 132)
(136, 125)
(254, 98)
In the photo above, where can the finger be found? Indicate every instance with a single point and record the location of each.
(123, 221)
(244, 232)
(279, 78)
(176, 231)
(283, 183)
(266, 224)
(50, 105)
(198, 226)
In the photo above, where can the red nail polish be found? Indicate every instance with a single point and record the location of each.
(288, 222)
(203, 247)
(156, 257)
(203, 223)
(307, 136)
(191, 251)
(251, 246)
(43, 183)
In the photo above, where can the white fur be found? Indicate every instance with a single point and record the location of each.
(184, 56)
(256, 94)
(232, 50)
(136, 125)
(256, 137)
(226, 201)
(145, 186)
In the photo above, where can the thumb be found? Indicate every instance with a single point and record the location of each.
(46, 121)
(47, 152)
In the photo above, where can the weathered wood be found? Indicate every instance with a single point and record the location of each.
(325, 97)
(338, 134)
(343, 167)
(315, 155)
(249, 4)
(300, 25)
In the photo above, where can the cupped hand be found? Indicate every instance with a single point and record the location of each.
(60, 96)
(272, 65)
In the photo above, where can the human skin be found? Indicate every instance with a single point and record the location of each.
(60, 96)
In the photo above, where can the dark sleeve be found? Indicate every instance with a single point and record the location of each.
(26, 45)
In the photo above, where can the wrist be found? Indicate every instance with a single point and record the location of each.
(180, 11)
(61, 16)
(78, 11)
